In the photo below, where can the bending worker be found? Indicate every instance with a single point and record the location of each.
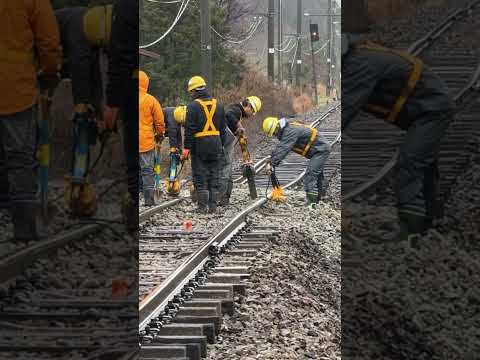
(234, 115)
(29, 35)
(399, 88)
(122, 95)
(85, 37)
(174, 120)
(151, 130)
(303, 140)
(204, 137)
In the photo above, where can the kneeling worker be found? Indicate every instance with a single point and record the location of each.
(304, 140)
(205, 137)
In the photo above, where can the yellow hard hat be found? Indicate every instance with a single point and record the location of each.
(180, 114)
(97, 25)
(255, 102)
(196, 82)
(270, 125)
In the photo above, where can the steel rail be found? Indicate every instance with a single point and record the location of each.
(154, 303)
(261, 164)
(416, 49)
(14, 264)
(146, 214)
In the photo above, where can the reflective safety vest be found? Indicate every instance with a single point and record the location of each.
(209, 128)
(417, 68)
(313, 136)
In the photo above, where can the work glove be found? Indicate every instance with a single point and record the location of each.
(158, 139)
(80, 118)
(269, 169)
(48, 82)
(109, 119)
(185, 154)
(240, 131)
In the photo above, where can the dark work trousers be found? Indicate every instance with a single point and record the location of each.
(417, 169)
(313, 180)
(18, 164)
(146, 166)
(130, 138)
(226, 181)
(206, 175)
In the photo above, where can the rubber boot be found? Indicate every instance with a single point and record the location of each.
(203, 197)
(212, 204)
(409, 225)
(149, 197)
(4, 196)
(193, 193)
(312, 200)
(130, 213)
(27, 225)
(228, 193)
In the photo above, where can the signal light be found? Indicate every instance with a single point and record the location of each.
(315, 36)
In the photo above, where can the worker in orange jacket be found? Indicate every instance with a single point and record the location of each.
(151, 130)
(28, 36)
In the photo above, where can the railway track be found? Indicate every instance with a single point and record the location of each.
(370, 147)
(184, 296)
(49, 308)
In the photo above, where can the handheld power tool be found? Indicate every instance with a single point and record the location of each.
(43, 150)
(80, 195)
(176, 166)
(278, 194)
(157, 169)
(248, 171)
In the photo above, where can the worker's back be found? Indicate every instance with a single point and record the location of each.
(26, 25)
(151, 119)
(205, 127)
(377, 77)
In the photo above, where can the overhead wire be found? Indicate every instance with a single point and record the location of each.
(289, 42)
(318, 50)
(182, 9)
(165, 2)
(238, 42)
(295, 53)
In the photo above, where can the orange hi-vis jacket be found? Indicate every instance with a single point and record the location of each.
(151, 121)
(28, 35)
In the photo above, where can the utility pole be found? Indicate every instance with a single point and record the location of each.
(314, 71)
(271, 40)
(329, 49)
(280, 42)
(299, 44)
(206, 44)
(333, 67)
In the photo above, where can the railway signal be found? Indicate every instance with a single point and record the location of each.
(314, 35)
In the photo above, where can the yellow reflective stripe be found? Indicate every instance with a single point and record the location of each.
(207, 133)
(378, 109)
(406, 91)
(313, 136)
(308, 145)
(209, 128)
(43, 154)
